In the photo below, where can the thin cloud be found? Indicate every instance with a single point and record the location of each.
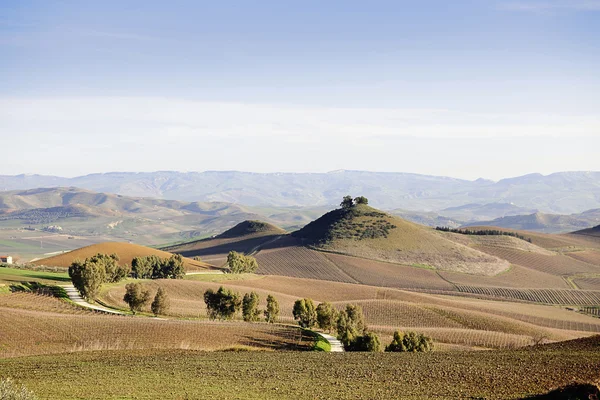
(540, 6)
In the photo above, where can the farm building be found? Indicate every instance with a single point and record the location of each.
(6, 259)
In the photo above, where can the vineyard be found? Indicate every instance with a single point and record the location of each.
(379, 273)
(25, 332)
(300, 262)
(589, 283)
(556, 265)
(587, 256)
(546, 296)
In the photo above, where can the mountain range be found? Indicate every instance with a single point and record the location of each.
(562, 192)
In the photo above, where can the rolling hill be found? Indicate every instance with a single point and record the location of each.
(125, 251)
(563, 192)
(546, 223)
(595, 231)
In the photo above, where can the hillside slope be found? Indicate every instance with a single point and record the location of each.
(125, 251)
(546, 223)
(363, 231)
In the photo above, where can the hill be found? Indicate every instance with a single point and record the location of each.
(125, 251)
(251, 228)
(562, 192)
(363, 231)
(595, 231)
(547, 223)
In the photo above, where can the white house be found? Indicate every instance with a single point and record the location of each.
(6, 259)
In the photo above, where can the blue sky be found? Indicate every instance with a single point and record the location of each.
(432, 87)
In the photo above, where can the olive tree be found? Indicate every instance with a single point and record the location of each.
(136, 296)
(222, 304)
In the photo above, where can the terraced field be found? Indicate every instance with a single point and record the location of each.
(589, 283)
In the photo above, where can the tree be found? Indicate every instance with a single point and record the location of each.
(160, 304)
(350, 325)
(136, 296)
(411, 342)
(272, 310)
(326, 316)
(222, 304)
(305, 313)
(114, 271)
(142, 268)
(361, 200)
(172, 267)
(250, 311)
(347, 203)
(87, 277)
(240, 263)
(9, 390)
(366, 342)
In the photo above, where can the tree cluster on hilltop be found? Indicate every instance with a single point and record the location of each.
(154, 267)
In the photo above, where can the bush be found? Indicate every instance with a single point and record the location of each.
(305, 313)
(272, 310)
(222, 304)
(239, 263)
(136, 296)
(250, 311)
(367, 342)
(410, 342)
(9, 390)
(160, 304)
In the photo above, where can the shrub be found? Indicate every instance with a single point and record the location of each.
(305, 313)
(9, 390)
(136, 296)
(239, 263)
(222, 304)
(272, 310)
(160, 304)
(411, 342)
(367, 342)
(250, 311)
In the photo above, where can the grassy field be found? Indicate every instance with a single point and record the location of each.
(15, 275)
(154, 374)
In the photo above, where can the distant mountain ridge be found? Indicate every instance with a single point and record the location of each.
(562, 192)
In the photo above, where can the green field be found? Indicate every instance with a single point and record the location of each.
(13, 275)
(292, 375)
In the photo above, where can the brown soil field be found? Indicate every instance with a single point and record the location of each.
(300, 262)
(546, 296)
(587, 256)
(516, 277)
(125, 251)
(556, 265)
(25, 332)
(508, 242)
(36, 302)
(378, 273)
(588, 283)
(506, 374)
(215, 250)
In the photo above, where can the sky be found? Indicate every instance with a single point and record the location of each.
(468, 88)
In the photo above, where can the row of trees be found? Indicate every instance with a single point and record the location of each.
(89, 275)
(137, 297)
(239, 263)
(482, 232)
(154, 267)
(224, 304)
(351, 328)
